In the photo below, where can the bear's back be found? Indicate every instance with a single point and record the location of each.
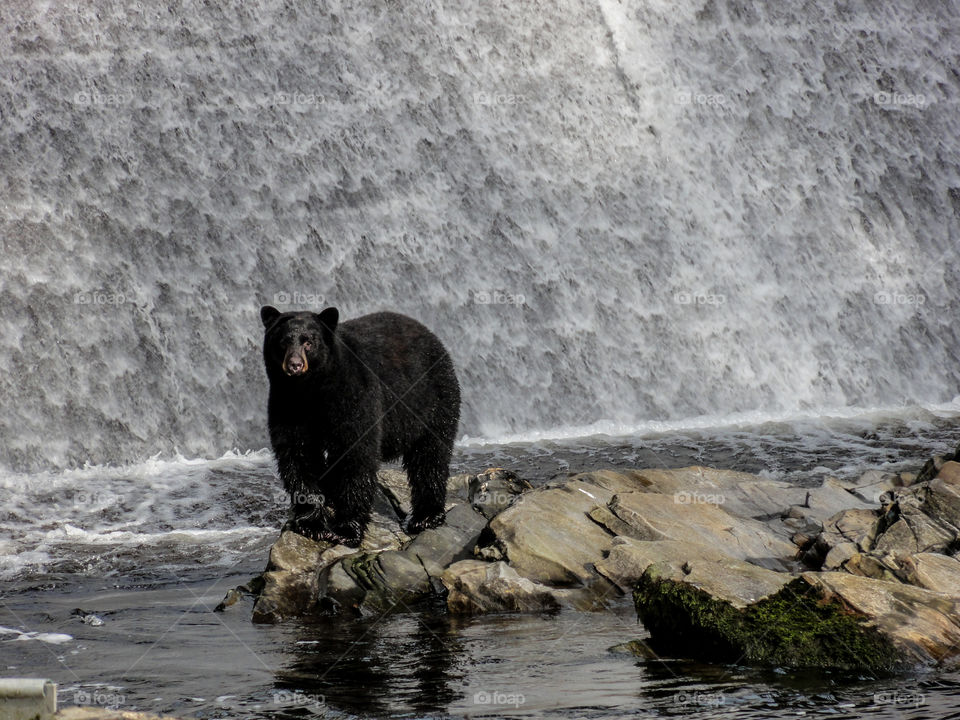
(399, 350)
(418, 380)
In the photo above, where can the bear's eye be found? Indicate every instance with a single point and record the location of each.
(305, 341)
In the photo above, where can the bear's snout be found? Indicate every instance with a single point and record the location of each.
(295, 363)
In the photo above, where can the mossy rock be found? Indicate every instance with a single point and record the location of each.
(796, 627)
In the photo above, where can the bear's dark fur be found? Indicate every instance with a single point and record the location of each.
(345, 396)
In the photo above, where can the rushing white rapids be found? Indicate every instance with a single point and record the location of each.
(611, 212)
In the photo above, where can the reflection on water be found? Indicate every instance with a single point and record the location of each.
(163, 649)
(376, 667)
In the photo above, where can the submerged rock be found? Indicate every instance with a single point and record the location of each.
(99, 713)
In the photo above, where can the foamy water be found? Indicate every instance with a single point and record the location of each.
(165, 517)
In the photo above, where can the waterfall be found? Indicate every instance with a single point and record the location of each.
(609, 211)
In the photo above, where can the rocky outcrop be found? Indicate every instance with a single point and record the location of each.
(710, 556)
(887, 596)
(565, 538)
(893, 542)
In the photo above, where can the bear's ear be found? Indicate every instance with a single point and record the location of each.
(268, 314)
(328, 320)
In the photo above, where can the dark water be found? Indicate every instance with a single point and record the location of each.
(801, 451)
(163, 649)
(195, 529)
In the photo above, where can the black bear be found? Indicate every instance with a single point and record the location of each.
(343, 397)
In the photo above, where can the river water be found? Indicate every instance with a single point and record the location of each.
(111, 593)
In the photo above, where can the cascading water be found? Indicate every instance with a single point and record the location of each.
(609, 211)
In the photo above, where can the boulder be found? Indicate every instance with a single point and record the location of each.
(285, 595)
(291, 585)
(854, 530)
(669, 517)
(950, 473)
(475, 587)
(922, 518)
(550, 538)
(380, 581)
(298, 554)
(744, 614)
(873, 565)
(493, 491)
(923, 626)
(940, 501)
(839, 554)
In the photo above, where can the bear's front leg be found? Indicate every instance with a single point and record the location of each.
(299, 470)
(307, 520)
(351, 485)
(316, 522)
(350, 513)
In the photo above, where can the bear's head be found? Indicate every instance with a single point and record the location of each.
(298, 344)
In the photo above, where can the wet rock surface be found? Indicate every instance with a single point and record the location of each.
(867, 563)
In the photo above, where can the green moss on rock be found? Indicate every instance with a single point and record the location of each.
(796, 627)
